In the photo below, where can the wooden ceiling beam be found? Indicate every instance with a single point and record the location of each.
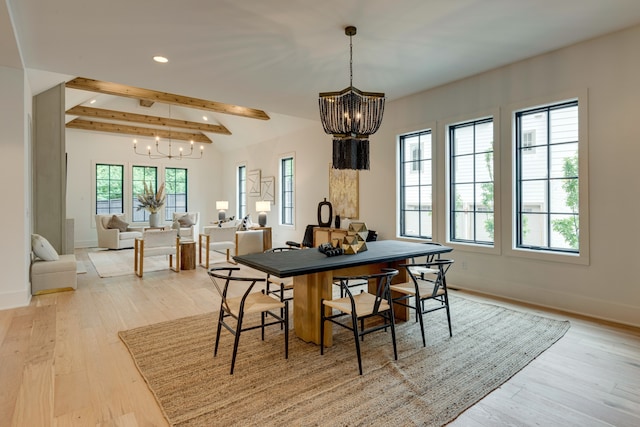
(91, 85)
(137, 130)
(100, 113)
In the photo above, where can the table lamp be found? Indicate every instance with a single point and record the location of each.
(222, 206)
(263, 207)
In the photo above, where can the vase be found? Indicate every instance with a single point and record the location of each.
(154, 220)
(321, 205)
(337, 221)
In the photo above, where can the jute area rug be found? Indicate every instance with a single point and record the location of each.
(426, 386)
(111, 263)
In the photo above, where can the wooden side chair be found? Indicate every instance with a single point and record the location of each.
(246, 304)
(360, 307)
(153, 243)
(427, 282)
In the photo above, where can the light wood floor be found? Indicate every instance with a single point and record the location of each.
(62, 364)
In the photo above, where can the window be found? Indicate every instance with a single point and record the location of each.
(471, 183)
(547, 202)
(175, 180)
(416, 186)
(142, 175)
(286, 178)
(109, 186)
(242, 191)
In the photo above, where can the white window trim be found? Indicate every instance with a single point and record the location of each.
(433, 127)
(444, 225)
(295, 192)
(583, 257)
(237, 192)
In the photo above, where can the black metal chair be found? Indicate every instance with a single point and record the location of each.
(424, 286)
(424, 271)
(307, 240)
(372, 236)
(284, 287)
(360, 307)
(247, 303)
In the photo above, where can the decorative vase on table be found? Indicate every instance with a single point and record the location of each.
(321, 205)
(154, 220)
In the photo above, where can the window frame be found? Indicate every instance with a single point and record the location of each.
(583, 256)
(287, 208)
(95, 187)
(241, 190)
(401, 179)
(134, 193)
(451, 161)
(168, 208)
(444, 195)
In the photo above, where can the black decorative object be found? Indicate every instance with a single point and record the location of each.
(326, 223)
(329, 250)
(337, 221)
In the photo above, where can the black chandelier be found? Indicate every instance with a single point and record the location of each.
(351, 115)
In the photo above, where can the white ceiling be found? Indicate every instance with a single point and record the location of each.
(277, 55)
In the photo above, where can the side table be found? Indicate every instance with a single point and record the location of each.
(187, 254)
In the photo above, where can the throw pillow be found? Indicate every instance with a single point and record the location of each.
(222, 221)
(116, 222)
(43, 249)
(246, 223)
(186, 221)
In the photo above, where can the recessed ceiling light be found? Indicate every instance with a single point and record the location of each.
(93, 101)
(160, 59)
(205, 118)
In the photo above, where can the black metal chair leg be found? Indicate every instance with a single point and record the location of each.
(236, 341)
(419, 313)
(322, 326)
(286, 329)
(355, 334)
(220, 318)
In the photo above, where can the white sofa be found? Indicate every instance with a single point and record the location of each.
(54, 276)
(113, 238)
(229, 238)
(50, 272)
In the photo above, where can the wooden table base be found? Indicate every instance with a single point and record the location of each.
(310, 289)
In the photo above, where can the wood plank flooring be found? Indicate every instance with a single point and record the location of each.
(62, 363)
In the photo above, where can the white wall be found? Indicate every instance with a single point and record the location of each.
(84, 149)
(15, 246)
(608, 68)
(311, 149)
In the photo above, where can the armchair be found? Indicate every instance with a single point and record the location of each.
(153, 243)
(115, 238)
(189, 222)
(216, 239)
(229, 237)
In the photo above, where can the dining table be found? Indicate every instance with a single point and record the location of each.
(313, 274)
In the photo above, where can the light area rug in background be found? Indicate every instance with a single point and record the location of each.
(426, 386)
(111, 263)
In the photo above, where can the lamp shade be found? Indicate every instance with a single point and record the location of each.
(263, 206)
(222, 204)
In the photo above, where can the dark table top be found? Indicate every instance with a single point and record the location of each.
(306, 261)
